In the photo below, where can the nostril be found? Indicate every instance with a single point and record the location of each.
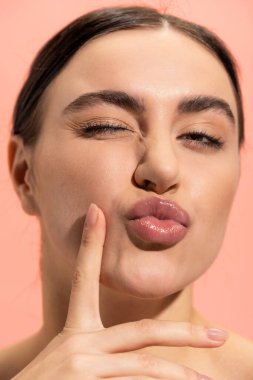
(148, 185)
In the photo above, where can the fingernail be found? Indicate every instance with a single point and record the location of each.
(203, 377)
(217, 334)
(91, 216)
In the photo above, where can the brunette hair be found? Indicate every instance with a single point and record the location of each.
(56, 53)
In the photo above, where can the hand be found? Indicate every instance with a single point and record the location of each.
(86, 350)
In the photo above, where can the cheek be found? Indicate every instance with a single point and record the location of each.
(212, 194)
(70, 182)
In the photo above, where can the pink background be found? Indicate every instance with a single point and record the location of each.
(224, 293)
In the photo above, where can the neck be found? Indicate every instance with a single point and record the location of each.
(115, 308)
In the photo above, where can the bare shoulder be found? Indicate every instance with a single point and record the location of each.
(235, 357)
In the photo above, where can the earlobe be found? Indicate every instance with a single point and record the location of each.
(19, 162)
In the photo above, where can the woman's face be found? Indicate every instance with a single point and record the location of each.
(71, 168)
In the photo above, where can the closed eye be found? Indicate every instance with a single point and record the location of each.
(93, 128)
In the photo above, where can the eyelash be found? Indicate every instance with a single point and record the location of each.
(91, 129)
(212, 141)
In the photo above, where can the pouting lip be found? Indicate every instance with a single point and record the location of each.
(163, 209)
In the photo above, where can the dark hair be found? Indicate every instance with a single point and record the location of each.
(56, 53)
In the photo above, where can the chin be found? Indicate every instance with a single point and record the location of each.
(145, 283)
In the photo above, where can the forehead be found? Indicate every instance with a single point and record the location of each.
(159, 66)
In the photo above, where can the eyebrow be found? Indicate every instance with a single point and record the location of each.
(201, 103)
(190, 104)
(117, 98)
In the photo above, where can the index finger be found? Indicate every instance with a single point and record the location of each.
(83, 312)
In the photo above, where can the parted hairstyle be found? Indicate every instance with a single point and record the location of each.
(57, 52)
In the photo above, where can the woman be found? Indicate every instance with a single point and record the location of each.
(126, 146)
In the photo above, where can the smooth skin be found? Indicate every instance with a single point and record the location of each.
(128, 296)
(85, 349)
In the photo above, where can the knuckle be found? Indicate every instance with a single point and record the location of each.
(189, 374)
(146, 326)
(147, 361)
(74, 363)
(74, 342)
(86, 239)
(77, 278)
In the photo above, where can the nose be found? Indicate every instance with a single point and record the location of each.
(158, 168)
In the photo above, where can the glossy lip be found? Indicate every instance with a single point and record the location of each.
(163, 209)
(156, 222)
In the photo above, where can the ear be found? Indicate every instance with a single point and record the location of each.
(20, 168)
